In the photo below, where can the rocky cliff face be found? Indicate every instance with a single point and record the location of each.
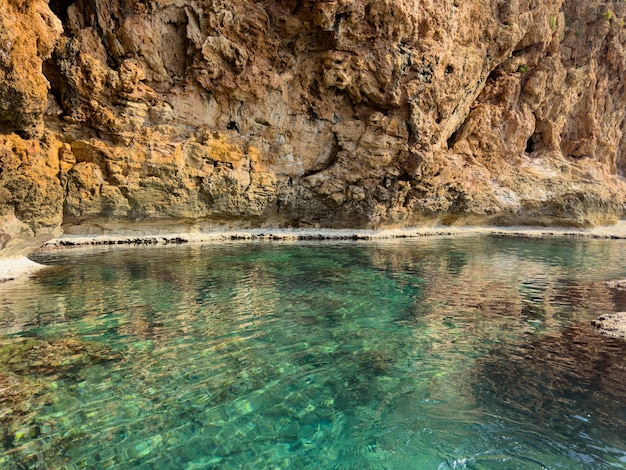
(334, 113)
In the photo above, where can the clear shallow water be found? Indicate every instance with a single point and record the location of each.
(422, 354)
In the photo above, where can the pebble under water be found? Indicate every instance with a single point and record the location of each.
(438, 353)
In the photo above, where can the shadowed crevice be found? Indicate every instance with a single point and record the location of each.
(330, 161)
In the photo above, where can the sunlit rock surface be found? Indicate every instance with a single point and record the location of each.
(315, 114)
(612, 324)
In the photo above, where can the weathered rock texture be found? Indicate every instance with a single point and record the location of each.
(614, 324)
(335, 113)
(611, 324)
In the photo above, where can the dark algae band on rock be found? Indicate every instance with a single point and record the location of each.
(338, 114)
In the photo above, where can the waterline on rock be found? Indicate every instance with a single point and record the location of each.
(197, 234)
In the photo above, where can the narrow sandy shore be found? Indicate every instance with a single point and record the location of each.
(617, 231)
(14, 268)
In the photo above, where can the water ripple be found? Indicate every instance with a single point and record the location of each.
(450, 353)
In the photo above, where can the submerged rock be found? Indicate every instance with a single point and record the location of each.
(611, 324)
(30, 356)
(29, 369)
(16, 391)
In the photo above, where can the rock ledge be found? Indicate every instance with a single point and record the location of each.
(611, 324)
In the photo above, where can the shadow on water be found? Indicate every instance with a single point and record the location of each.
(569, 386)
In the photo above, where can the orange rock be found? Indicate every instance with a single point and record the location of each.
(338, 113)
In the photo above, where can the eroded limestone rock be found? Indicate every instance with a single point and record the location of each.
(300, 113)
(28, 33)
(31, 196)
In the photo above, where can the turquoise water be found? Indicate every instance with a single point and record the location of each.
(420, 354)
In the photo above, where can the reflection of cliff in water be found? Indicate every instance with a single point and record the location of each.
(619, 299)
(571, 383)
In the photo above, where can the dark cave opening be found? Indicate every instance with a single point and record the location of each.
(56, 92)
(59, 8)
(532, 142)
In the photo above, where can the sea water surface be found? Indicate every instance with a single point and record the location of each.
(437, 353)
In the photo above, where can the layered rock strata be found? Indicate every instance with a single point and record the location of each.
(335, 113)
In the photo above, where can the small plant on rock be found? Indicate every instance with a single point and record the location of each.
(608, 15)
